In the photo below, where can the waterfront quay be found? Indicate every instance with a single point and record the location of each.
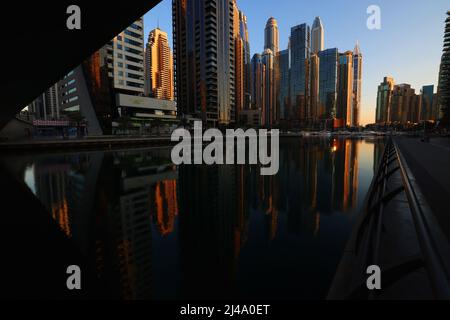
(404, 227)
(100, 142)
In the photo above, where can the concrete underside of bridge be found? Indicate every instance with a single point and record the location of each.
(44, 49)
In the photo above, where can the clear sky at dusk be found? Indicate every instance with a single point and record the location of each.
(408, 46)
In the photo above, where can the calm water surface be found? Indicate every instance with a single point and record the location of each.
(155, 231)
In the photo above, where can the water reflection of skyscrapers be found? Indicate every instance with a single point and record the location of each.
(136, 188)
(211, 228)
(345, 175)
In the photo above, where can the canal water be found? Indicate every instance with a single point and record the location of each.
(153, 230)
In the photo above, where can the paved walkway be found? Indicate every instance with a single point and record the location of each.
(430, 165)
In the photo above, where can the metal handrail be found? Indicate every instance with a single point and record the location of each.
(434, 264)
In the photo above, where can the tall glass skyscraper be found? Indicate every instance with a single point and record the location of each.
(317, 35)
(426, 106)
(243, 32)
(283, 63)
(271, 37)
(204, 59)
(242, 62)
(299, 75)
(258, 82)
(313, 112)
(268, 113)
(357, 82)
(344, 110)
(328, 64)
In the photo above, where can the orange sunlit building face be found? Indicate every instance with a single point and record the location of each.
(159, 81)
(166, 208)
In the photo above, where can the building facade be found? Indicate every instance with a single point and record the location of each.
(404, 105)
(269, 109)
(158, 66)
(317, 36)
(242, 62)
(314, 89)
(444, 75)
(357, 84)
(328, 73)
(344, 112)
(204, 60)
(384, 97)
(271, 36)
(427, 111)
(258, 82)
(299, 74)
(283, 63)
(125, 57)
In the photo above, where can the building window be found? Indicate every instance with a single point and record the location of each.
(132, 42)
(72, 90)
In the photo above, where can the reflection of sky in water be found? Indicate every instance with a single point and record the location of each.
(30, 179)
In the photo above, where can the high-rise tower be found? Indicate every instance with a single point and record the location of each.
(204, 59)
(258, 82)
(344, 110)
(299, 74)
(384, 99)
(158, 66)
(328, 73)
(444, 75)
(357, 82)
(317, 35)
(242, 61)
(271, 40)
(268, 112)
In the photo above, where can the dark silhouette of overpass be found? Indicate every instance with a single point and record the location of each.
(39, 49)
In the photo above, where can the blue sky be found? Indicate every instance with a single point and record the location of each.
(408, 46)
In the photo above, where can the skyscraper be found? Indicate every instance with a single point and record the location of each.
(258, 82)
(384, 97)
(299, 74)
(284, 79)
(242, 61)
(444, 75)
(158, 66)
(314, 88)
(317, 35)
(204, 59)
(271, 37)
(243, 33)
(268, 112)
(344, 110)
(357, 82)
(328, 72)
(426, 103)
